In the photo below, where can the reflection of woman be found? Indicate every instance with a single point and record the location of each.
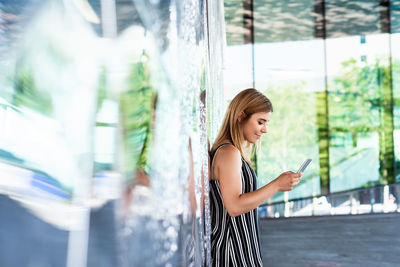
(234, 196)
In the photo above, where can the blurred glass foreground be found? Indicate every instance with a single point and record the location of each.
(103, 135)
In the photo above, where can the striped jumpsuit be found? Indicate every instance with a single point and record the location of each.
(234, 240)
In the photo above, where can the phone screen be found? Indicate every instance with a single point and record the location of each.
(304, 165)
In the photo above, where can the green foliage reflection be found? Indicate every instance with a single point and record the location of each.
(360, 104)
(137, 107)
(350, 126)
(291, 138)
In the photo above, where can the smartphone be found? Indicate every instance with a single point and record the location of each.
(304, 165)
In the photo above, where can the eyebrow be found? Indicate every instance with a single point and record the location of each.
(264, 120)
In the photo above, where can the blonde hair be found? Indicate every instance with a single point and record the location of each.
(248, 101)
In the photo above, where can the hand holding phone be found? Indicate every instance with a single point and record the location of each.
(304, 165)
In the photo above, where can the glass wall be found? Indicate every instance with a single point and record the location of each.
(330, 70)
(238, 63)
(287, 71)
(395, 61)
(358, 71)
(103, 131)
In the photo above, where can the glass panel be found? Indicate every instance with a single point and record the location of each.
(103, 140)
(238, 58)
(353, 165)
(48, 86)
(291, 74)
(395, 53)
(360, 93)
(358, 76)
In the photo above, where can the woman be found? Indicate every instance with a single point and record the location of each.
(234, 196)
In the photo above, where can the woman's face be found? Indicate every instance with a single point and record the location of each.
(255, 126)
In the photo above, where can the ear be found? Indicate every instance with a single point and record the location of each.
(241, 116)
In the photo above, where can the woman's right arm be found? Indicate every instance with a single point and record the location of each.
(227, 169)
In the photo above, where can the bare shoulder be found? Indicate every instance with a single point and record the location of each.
(226, 163)
(227, 154)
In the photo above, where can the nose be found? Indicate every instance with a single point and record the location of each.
(264, 129)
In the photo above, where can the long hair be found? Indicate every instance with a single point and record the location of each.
(248, 101)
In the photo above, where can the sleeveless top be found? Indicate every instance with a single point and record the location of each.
(234, 240)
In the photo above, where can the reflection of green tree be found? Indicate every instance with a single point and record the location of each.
(354, 96)
(34, 80)
(291, 123)
(102, 87)
(360, 101)
(291, 132)
(27, 94)
(136, 111)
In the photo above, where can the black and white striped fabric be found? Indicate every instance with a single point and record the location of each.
(234, 240)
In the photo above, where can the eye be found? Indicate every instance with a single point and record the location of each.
(260, 123)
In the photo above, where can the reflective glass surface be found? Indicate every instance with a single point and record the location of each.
(357, 77)
(104, 121)
(331, 71)
(289, 69)
(238, 54)
(395, 54)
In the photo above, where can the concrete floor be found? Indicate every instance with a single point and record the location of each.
(358, 240)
